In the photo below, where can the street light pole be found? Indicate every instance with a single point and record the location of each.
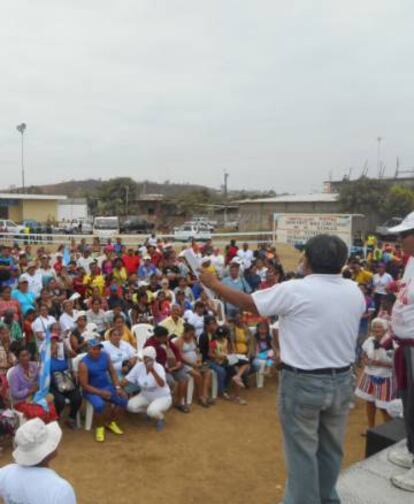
(21, 129)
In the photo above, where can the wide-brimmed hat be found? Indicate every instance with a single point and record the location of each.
(35, 441)
(406, 225)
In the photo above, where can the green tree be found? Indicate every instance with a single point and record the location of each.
(398, 202)
(114, 196)
(363, 195)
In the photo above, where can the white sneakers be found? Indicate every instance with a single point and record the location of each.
(405, 481)
(403, 458)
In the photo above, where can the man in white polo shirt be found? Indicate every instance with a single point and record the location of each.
(402, 322)
(318, 327)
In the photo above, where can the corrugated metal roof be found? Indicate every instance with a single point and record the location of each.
(32, 196)
(294, 198)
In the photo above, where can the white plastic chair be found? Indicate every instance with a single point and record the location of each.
(214, 385)
(142, 332)
(88, 406)
(9, 377)
(260, 374)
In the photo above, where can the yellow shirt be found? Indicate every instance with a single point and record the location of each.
(120, 275)
(173, 327)
(363, 277)
(240, 340)
(97, 281)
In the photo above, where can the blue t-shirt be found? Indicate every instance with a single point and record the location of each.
(26, 300)
(98, 370)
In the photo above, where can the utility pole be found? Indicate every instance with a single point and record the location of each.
(126, 199)
(226, 176)
(21, 129)
(379, 140)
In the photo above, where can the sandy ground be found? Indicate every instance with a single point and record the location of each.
(228, 453)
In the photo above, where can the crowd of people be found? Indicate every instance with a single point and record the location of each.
(78, 309)
(69, 335)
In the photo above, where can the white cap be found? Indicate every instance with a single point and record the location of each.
(205, 260)
(236, 260)
(35, 441)
(149, 352)
(74, 296)
(79, 314)
(406, 225)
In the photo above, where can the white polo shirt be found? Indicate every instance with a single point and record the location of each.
(318, 319)
(402, 318)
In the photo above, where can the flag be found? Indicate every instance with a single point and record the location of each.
(66, 256)
(44, 376)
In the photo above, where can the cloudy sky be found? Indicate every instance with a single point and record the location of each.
(277, 93)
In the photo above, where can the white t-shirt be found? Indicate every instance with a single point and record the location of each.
(402, 318)
(319, 319)
(35, 282)
(246, 257)
(34, 485)
(196, 320)
(218, 262)
(40, 324)
(146, 381)
(85, 263)
(379, 354)
(118, 355)
(67, 322)
(381, 282)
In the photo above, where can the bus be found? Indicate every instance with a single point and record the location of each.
(106, 226)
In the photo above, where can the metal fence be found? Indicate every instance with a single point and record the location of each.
(129, 240)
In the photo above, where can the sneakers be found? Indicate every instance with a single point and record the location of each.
(113, 427)
(100, 434)
(401, 457)
(404, 481)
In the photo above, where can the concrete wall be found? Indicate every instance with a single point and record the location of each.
(15, 213)
(39, 210)
(259, 216)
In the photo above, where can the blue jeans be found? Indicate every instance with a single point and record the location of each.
(313, 410)
(222, 376)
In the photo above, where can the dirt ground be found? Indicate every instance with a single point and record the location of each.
(228, 453)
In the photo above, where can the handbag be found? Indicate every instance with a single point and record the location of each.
(64, 381)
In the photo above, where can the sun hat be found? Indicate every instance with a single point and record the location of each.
(205, 260)
(79, 315)
(236, 260)
(406, 225)
(35, 441)
(23, 278)
(149, 352)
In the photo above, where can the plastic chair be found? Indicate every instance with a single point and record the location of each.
(260, 374)
(142, 332)
(214, 385)
(88, 406)
(221, 313)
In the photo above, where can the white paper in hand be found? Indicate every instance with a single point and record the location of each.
(194, 263)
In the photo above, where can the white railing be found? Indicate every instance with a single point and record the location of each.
(129, 240)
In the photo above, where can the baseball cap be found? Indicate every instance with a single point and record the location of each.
(94, 342)
(406, 225)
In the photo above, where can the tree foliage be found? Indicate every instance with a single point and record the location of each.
(111, 198)
(374, 196)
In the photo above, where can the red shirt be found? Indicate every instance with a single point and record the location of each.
(161, 352)
(131, 263)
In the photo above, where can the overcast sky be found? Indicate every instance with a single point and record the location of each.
(277, 93)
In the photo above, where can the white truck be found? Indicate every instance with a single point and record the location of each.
(106, 227)
(191, 231)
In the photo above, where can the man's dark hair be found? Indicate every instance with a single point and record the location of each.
(326, 254)
(160, 331)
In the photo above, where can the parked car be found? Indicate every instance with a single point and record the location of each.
(188, 232)
(383, 230)
(8, 226)
(136, 225)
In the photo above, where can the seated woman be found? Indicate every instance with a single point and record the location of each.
(126, 334)
(77, 341)
(122, 354)
(201, 373)
(161, 307)
(63, 384)
(24, 384)
(219, 358)
(264, 354)
(155, 396)
(105, 394)
(6, 359)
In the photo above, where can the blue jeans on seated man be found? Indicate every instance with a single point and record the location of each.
(313, 410)
(222, 378)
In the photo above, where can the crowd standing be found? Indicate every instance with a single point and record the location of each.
(80, 306)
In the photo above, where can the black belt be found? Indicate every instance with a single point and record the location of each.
(320, 371)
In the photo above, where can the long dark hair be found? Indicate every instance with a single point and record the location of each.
(268, 337)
